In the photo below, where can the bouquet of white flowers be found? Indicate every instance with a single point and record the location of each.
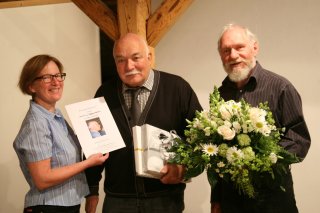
(232, 141)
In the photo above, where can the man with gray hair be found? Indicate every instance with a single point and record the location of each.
(165, 101)
(238, 48)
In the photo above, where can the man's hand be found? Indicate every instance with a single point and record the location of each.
(172, 174)
(92, 203)
(215, 207)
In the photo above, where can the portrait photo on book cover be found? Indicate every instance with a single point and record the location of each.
(95, 127)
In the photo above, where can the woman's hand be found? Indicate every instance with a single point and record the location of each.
(97, 159)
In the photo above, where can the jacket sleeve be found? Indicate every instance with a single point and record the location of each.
(191, 102)
(94, 176)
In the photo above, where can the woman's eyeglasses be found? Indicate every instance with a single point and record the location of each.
(48, 78)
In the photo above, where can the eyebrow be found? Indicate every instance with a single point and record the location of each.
(132, 55)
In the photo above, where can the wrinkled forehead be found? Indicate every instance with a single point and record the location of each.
(129, 46)
(234, 36)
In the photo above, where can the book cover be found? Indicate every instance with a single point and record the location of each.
(95, 127)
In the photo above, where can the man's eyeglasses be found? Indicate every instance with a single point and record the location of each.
(48, 78)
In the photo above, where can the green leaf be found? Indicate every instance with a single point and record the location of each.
(212, 178)
(193, 172)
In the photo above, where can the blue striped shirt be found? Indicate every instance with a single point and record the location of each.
(44, 135)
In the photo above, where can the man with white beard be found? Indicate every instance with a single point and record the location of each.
(238, 48)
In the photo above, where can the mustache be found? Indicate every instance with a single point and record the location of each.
(132, 72)
(234, 62)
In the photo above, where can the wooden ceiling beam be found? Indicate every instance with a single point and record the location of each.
(101, 15)
(133, 15)
(25, 3)
(164, 18)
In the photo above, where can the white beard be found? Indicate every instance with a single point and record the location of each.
(241, 73)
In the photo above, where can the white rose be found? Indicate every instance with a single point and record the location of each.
(226, 132)
(227, 124)
(225, 113)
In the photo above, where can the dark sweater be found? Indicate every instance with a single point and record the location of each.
(170, 103)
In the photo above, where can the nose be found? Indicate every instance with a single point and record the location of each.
(130, 64)
(55, 81)
(234, 54)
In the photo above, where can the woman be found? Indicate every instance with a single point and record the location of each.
(48, 151)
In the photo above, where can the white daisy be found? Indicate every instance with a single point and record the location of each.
(234, 154)
(210, 149)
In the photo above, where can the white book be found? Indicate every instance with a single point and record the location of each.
(95, 127)
(150, 149)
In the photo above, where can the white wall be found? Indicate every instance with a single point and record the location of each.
(289, 34)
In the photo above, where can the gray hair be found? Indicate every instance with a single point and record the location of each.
(252, 37)
(137, 37)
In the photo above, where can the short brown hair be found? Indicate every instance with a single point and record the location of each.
(32, 68)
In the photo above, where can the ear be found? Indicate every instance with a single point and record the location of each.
(150, 56)
(31, 88)
(150, 51)
(255, 48)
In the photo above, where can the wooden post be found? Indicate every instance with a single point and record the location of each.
(132, 16)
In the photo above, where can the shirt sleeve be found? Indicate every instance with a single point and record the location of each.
(35, 141)
(296, 138)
